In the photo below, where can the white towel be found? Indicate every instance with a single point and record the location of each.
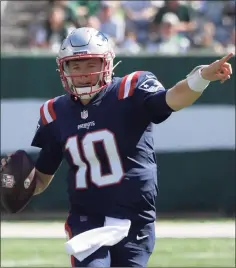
(84, 244)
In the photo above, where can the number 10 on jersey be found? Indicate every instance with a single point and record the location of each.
(88, 150)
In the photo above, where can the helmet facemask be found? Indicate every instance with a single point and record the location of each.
(90, 90)
(86, 43)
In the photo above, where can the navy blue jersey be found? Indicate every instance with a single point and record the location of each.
(108, 145)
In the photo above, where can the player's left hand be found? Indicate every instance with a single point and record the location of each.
(218, 70)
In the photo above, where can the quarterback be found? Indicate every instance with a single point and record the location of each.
(102, 126)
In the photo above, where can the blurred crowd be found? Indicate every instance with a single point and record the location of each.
(168, 27)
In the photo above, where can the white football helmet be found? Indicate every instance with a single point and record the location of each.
(85, 43)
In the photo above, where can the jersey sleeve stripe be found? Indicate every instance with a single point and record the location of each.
(122, 88)
(47, 112)
(128, 85)
(133, 83)
(51, 109)
(42, 115)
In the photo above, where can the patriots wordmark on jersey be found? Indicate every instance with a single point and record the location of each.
(108, 145)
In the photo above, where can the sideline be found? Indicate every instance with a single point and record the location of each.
(163, 230)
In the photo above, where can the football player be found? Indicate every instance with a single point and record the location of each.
(102, 126)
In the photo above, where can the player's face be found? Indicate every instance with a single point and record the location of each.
(80, 70)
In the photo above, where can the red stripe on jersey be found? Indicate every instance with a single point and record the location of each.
(68, 230)
(133, 83)
(51, 109)
(122, 88)
(44, 120)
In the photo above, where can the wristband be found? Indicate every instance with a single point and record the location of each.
(195, 80)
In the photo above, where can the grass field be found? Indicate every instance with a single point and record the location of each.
(34, 246)
(169, 252)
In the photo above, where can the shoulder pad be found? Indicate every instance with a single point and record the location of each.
(128, 84)
(47, 112)
(143, 80)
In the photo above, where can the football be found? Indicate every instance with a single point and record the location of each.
(17, 182)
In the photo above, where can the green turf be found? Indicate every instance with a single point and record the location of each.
(173, 252)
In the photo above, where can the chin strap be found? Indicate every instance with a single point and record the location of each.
(116, 64)
(86, 96)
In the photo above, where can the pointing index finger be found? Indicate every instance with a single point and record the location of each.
(226, 58)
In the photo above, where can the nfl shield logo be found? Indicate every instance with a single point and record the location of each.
(8, 181)
(84, 114)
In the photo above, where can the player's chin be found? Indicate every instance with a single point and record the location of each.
(84, 85)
